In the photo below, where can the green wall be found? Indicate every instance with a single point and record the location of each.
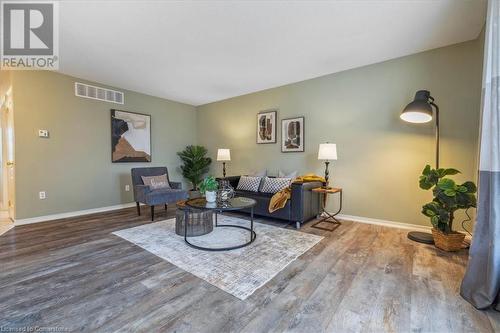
(74, 165)
(379, 156)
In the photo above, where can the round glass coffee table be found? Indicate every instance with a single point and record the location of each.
(236, 203)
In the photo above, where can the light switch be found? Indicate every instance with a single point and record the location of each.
(43, 133)
(42, 195)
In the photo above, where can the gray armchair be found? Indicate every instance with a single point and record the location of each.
(151, 197)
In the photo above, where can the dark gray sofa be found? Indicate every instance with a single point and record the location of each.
(303, 205)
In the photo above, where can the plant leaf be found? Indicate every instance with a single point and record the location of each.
(471, 187)
(446, 184)
(426, 170)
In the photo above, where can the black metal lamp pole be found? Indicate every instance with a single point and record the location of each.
(224, 169)
(437, 130)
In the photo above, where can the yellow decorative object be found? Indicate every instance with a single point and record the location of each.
(279, 199)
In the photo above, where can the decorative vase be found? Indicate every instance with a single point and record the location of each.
(225, 191)
(450, 242)
(211, 196)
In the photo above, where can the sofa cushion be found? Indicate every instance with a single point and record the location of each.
(156, 182)
(252, 194)
(248, 183)
(274, 185)
(165, 195)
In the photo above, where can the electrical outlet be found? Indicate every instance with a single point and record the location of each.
(42, 195)
(127, 188)
(43, 133)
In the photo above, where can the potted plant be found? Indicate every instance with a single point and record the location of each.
(448, 198)
(194, 165)
(209, 187)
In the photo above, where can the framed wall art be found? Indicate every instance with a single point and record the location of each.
(292, 135)
(266, 126)
(130, 137)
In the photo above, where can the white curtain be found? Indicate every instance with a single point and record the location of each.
(481, 284)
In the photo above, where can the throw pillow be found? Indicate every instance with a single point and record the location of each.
(156, 182)
(282, 174)
(248, 183)
(274, 185)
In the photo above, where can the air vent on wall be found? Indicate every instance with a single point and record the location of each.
(102, 94)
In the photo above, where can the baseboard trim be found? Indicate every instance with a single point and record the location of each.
(52, 217)
(385, 223)
(360, 219)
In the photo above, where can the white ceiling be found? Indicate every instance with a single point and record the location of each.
(199, 52)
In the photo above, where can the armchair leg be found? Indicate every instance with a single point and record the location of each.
(297, 225)
(152, 213)
(138, 209)
(166, 206)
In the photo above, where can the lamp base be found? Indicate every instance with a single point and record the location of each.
(421, 237)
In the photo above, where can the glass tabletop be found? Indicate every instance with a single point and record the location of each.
(235, 203)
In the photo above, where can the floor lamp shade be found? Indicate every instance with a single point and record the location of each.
(419, 110)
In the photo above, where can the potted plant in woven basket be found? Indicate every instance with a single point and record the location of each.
(448, 198)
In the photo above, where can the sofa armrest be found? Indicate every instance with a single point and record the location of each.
(140, 193)
(176, 185)
(305, 203)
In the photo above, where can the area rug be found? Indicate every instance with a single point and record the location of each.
(239, 272)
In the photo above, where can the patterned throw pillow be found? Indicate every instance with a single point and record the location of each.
(274, 185)
(156, 182)
(248, 183)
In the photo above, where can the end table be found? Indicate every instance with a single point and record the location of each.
(330, 217)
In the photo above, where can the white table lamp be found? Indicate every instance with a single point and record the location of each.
(223, 155)
(327, 152)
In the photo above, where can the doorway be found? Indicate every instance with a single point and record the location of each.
(7, 165)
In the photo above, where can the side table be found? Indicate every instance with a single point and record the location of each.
(330, 217)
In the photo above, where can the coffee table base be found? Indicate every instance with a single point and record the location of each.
(253, 235)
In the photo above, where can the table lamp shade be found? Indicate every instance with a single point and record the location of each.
(223, 155)
(327, 151)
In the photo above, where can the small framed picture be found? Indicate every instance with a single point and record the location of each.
(292, 135)
(266, 126)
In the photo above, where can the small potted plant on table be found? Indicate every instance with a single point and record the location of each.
(209, 187)
(448, 198)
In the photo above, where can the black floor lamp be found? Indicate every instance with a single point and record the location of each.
(420, 111)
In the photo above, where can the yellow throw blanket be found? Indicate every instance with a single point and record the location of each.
(280, 198)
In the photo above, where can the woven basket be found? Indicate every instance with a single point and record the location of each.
(448, 242)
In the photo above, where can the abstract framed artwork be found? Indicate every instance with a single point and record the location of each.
(130, 137)
(292, 135)
(266, 126)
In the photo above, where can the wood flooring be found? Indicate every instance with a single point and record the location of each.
(74, 275)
